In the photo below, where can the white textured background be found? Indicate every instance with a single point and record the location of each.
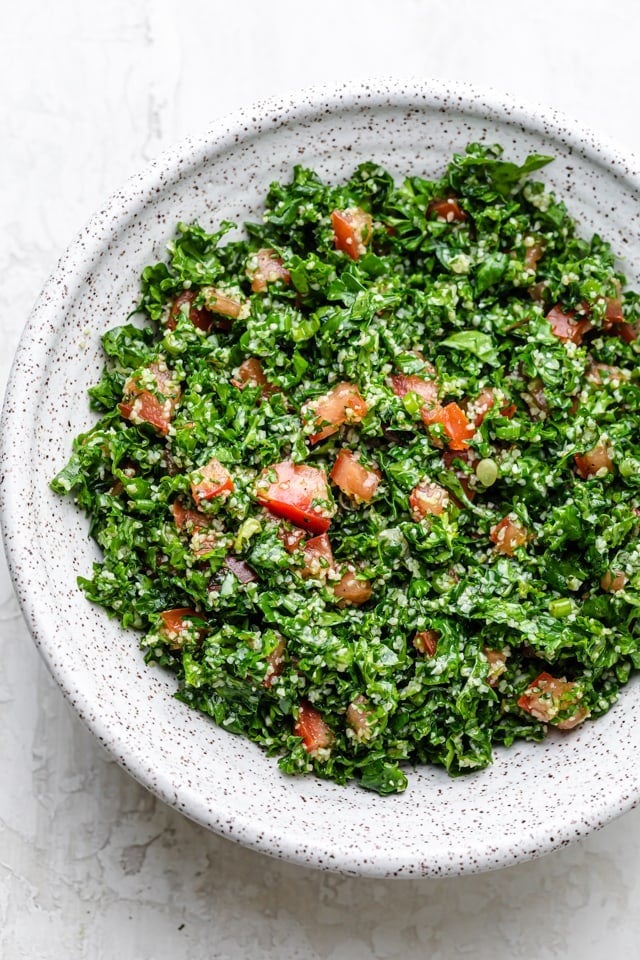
(91, 866)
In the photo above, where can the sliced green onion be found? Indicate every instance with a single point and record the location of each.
(561, 608)
(413, 403)
(630, 467)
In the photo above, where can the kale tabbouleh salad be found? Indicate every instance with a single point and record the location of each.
(368, 480)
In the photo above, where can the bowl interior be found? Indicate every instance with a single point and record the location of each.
(534, 797)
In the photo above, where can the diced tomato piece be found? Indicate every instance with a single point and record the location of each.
(154, 404)
(613, 582)
(454, 421)
(218, 302)
(299, 493)
(266, 267)
(146, 408)
(548, 696)
(343, 404)
(566, 327)
(199, 316)
(204, 537)
(178, 619)
(212, 480)
(291, 539)
(447, 209)
(352, 591)
(427, 389)
(481, 405)
(626, 331)
(497, 665)
(426, 642)
(217, 311)
(188, 518)
(613, 312)
(203, 541)
(485, 401)
(275, 663)
(508, 535)
(590, 464)
(176, 623)
(353, 478)
(358, 717)
(428, 499)
(352, 231)
(315, 732)
(533, 253)
(318, 558)
(250, 373)
(159, 377)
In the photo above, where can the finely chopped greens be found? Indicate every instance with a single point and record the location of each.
(368, 480)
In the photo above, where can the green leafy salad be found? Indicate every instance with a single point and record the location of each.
(368, 480)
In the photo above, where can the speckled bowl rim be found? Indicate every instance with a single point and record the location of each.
(17, 433)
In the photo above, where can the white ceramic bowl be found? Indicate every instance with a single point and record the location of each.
(535, 797)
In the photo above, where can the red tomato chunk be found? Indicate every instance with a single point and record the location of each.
(626, 331)
(191, 519)
(315, 732)
(599, 373)
(481, 405)
(497, 665)
(614, 312)
(448, 209)
(566, 327)
(343, 404)
(200, 317)
(218, 310)
(595, 462)
(485, 401)
(218, 302)
(352, 591)
(251, 374)
(353, 478)
(508, 535)
(151, 396)
(351, 231)
(615, 321)
(427, 389)
(612, 582)
(533, 253)
(291, 539)
(298, 493)
(426, 642)
(177, 623)
(359, 717)
(266, 267)
(428, 499)
(454, 421)
(204, 537)
(318, 558)
(464, 456)
(212, 480)
(548, 696)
